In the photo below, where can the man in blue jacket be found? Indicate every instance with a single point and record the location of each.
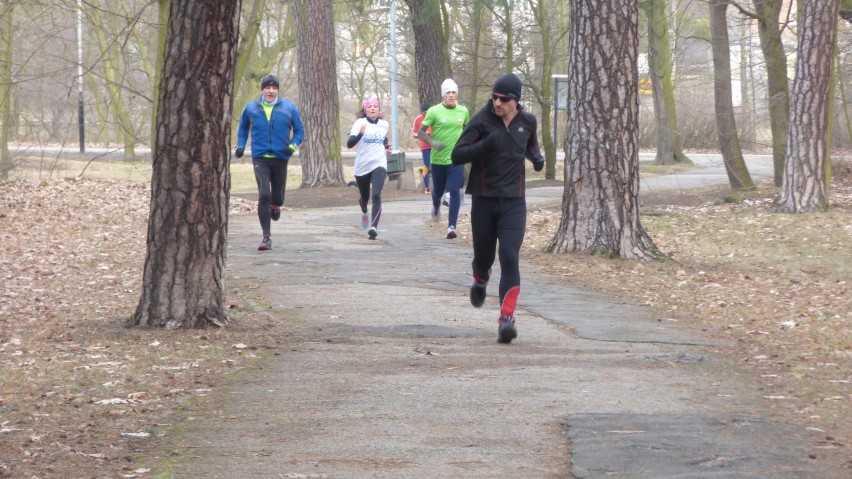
(496, 142)
(276, 133)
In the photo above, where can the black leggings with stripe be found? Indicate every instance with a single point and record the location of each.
(493, 222)
(374, 182)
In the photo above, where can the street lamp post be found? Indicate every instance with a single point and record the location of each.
(560, 101)
(394, 106)
(81, 116)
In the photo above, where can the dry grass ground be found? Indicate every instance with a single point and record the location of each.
(81, 395)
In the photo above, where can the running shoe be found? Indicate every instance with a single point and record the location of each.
(445, 200)
(477, 294)
(365, 221)
(266, 244)
(276, 212)
(506, 332)
(451, 232)
(373, 233)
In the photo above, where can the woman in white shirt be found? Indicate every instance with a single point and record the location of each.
(369, 137)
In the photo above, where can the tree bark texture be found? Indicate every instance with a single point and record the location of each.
(804, 187)
(669, 143)
(183, 284)
(431, 57)
(726, 124)
(778, 90)
(600, 206)
(320, 151)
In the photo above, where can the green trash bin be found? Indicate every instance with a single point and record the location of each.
(396, 162)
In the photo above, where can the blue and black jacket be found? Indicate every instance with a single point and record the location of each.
(271, 138)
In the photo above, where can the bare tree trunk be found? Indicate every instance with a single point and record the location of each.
(183, 284)
(600, 207)
(804, 187)
(431, 57)
(769, 30)
(113, 77)
(320, 151)
(552, 33)
(729, 143)
(7, 43)
(163, 17)
(475, 57)
(669, 143)
(844, 103)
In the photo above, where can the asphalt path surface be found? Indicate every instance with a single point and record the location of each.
(391, 373)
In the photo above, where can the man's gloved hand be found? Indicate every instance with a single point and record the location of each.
(538, 164)
(438, 145)
(293, 148)
(239, 152)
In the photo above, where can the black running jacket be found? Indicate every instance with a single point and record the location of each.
(497, 153)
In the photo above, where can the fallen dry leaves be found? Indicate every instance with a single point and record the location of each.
(80, 392)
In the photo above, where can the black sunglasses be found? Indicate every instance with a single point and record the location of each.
(503, 99)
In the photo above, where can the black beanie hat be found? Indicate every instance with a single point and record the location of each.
(425, 106)
(509, 85)
(269, 80)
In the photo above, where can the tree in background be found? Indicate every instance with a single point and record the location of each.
(729, 143)
(105, 17)
(600, 206)
(183, 279)
(431, 54)
(268, 32)
(7, 43)
(318, 105)
(804, 187)
(777, 83)
(669, 143)
(163, 7)
(767, 13)
(362, 52)
(552, 21)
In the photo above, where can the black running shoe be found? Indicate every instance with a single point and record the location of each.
(276, 212)
(477, 294)
(506, 332)
(373, 232)
(266, 244)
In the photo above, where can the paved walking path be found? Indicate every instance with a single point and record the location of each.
(392, 374)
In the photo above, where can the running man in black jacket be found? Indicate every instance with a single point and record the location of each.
(496, 141)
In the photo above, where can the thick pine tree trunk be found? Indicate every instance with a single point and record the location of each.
(183, 284)
(318, 104)
(804, 186)
(600, 207)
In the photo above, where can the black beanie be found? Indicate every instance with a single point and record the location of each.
(425, 106)
(269, 80)
(509, 85)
